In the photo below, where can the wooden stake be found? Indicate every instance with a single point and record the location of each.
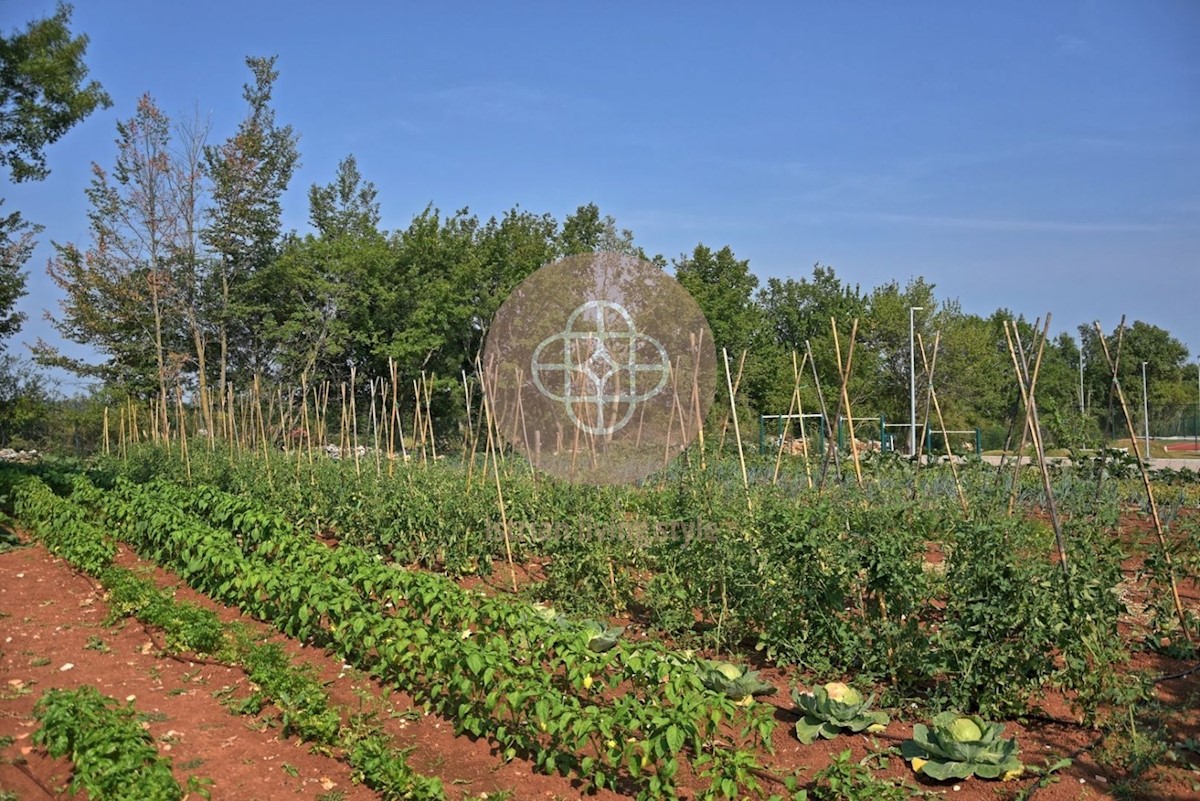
(846, 392)
(1020, 365)
(1165, 551)
(737, 383)
(354, 420)
(490, 422)
(831, 441)
(929, 365)
(737, 431)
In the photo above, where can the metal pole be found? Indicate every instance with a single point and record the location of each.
(1081, 412)
(1146, 409)
(912, 383)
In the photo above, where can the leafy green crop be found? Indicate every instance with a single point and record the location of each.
(958, 747)
(833, 709)
(113, 756)
(737, 683)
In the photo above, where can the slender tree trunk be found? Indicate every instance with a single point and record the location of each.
(224, 333)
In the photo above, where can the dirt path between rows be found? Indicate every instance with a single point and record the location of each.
(53, 635)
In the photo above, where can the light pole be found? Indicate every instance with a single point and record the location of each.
(912, 383)
(1081, 412)
(1146, 409)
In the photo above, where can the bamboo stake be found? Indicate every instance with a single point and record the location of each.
(342, 424)
(797, 372)
(1116, 361)
(737, 432)
(1158, 526)
(470, 433)
(737, 383)
(1027, 394)
(354, 420)
(697, 344)
(473, 440)
(427, 383)
(1025, 428)
(929, 365)
(812, 362)
(846, 392)
(233, 434)
(418, 425)
(792, 405)
(490, 421)
(262, 431)
(398, 420)
(304, 421)
(183, 446)
(784, 427)
(106, 451)
(667, 444)
(375, 432)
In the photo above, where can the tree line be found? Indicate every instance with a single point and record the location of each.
(188, 282)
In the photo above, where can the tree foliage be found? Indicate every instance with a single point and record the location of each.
(43, 93)
(189, 279)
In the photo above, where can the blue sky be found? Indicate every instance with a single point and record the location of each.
(1031, 155)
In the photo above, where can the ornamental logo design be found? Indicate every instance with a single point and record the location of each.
(606, 361)
(598, 368)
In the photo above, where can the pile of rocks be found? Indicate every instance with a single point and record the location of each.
(334, 452)
(20, 457)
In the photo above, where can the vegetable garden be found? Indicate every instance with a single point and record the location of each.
(657, 640)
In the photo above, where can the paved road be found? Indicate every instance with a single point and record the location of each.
(1155, 464)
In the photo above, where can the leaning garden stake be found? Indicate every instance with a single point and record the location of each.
(737, 383)
(737, 431)
(929, 364)
(1158, 526)
(1116, 366)
(845, 400)
(829, 435)
(1031, 380)
(492, 445)
(1028, 383)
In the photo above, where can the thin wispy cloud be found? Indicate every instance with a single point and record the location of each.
(673, 220)
(1016, 224)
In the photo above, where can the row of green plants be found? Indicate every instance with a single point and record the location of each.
(112, 755)
(842, 582)
(495, 667)
(304, 709)
(1090, 658)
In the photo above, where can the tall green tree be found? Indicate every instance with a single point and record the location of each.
(1166, 379)
(315, 299)
(43, 94)
(723, 286)
(510, 249)
(249, 173)
(345, 207)
(883, 353)
(797, 314)
(121, 295)
(17, 240)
